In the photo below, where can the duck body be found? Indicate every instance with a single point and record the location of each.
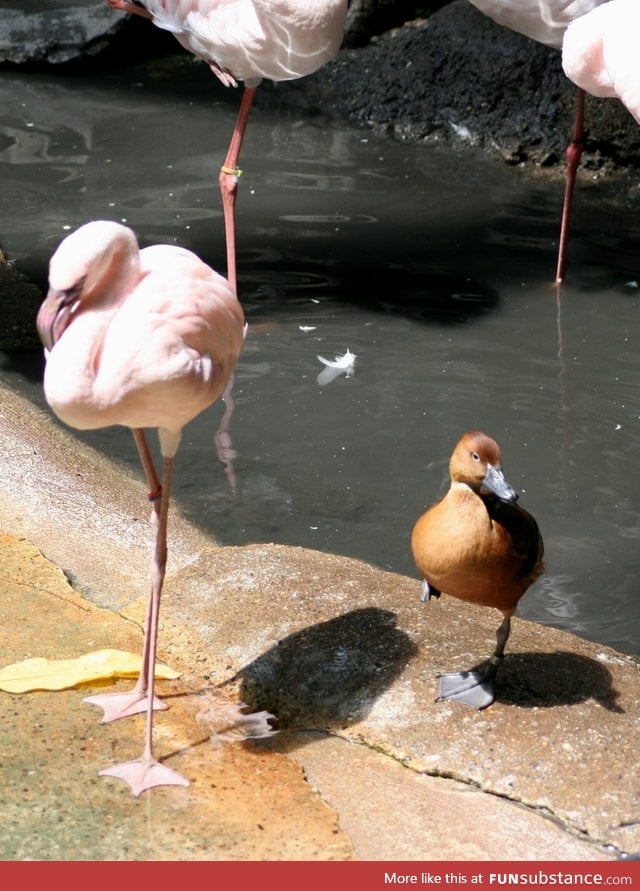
(477, 548)
(478, 545)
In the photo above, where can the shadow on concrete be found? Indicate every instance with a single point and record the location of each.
(329, 674)
(552, 679)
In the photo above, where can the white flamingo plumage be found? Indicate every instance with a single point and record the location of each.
(600, 53)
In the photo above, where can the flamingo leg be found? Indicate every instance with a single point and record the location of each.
(574, 154)
(129, 6)
(155, 487)
(146, 771)
(475, 688)
(228, 181)
(122, 705)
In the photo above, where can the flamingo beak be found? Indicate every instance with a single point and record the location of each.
(54, 315)
(495, 482)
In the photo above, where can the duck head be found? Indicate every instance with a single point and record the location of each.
(476, 462)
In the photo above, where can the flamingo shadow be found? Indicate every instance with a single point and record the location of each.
(329, 674)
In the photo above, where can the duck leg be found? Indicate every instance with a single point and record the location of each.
(475, 687)
(428, 591)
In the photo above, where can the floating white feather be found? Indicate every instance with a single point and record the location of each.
(344, 364)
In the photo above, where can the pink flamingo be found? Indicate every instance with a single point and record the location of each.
(142, 338)
(547, 21)
(248, 40)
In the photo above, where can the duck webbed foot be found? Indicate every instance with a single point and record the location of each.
(474, 687)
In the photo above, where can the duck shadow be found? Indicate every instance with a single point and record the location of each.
(329, 674)
(544, 680)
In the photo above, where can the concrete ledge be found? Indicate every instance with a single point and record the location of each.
(345, 656)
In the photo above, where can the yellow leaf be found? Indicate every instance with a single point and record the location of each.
(59, 674)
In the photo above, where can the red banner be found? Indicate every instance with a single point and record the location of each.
(352, 875)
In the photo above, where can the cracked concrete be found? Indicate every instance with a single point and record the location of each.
(366, 765)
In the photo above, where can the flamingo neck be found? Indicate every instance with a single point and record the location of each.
(73, 365)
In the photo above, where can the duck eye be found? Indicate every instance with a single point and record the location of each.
(475, 456)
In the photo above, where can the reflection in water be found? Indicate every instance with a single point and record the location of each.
(435, 270)
(222, 437)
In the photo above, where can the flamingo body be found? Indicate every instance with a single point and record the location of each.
(478, 545)
(143, 339)
(139, 348)
(600, 53)
(542, 20)
(249, 40)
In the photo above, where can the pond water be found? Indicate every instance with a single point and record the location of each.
(433, 267)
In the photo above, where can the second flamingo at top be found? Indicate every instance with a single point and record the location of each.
(248, 40)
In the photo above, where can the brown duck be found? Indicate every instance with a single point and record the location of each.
(478, 545)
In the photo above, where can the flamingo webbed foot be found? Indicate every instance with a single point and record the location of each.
(123, 705)
(143, 774)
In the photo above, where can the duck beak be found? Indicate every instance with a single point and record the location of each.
(495, 483)
(54, 315)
